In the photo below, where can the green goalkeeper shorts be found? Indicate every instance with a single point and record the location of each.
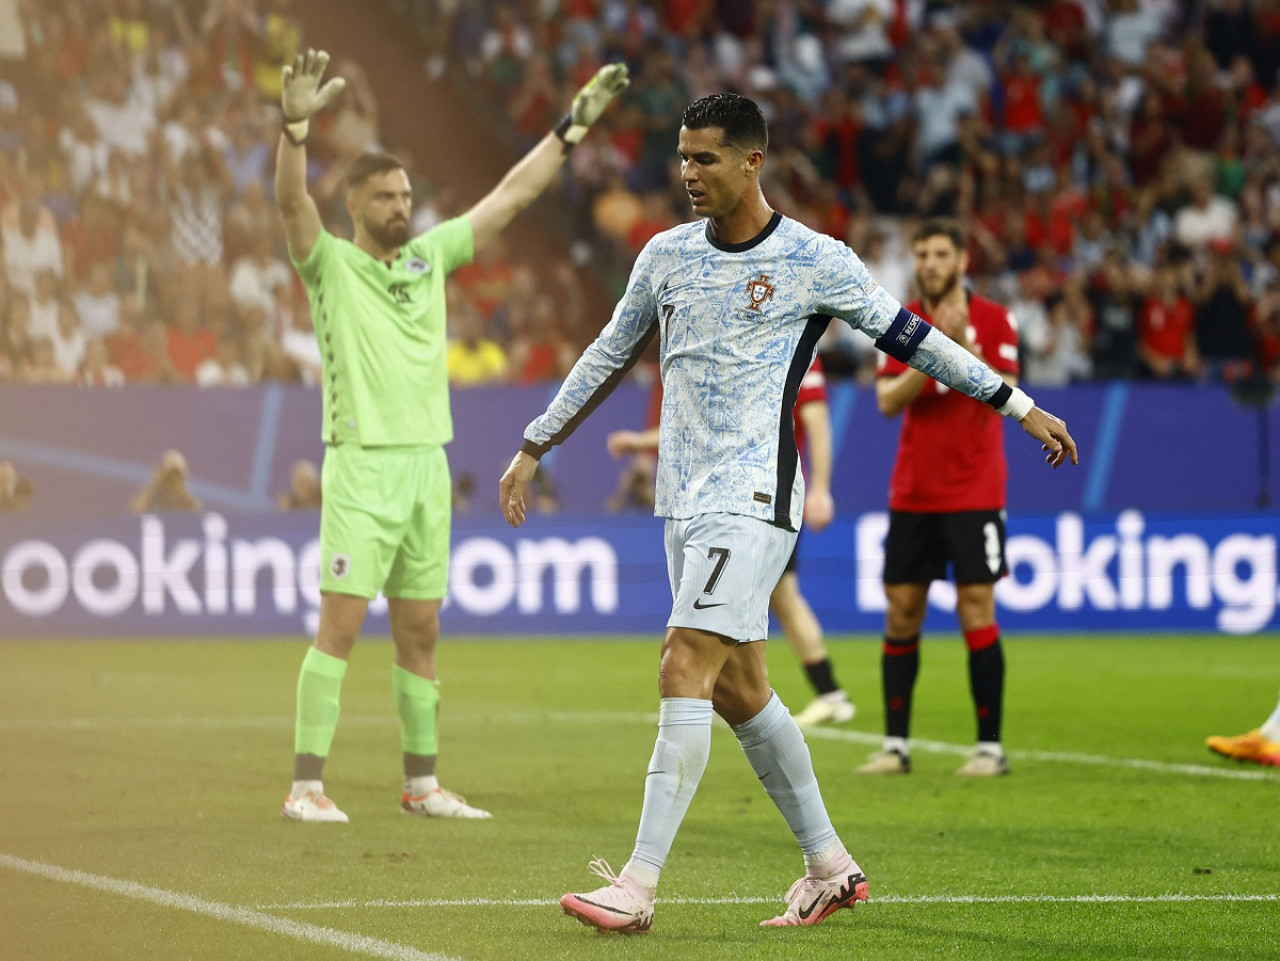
(384, 521)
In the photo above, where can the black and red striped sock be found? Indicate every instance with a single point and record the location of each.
(986, 679)
(899, 665)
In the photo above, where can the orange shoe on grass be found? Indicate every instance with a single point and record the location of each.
(1251, 747)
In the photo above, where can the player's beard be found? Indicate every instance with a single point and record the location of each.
(391, 235)
(938, 291)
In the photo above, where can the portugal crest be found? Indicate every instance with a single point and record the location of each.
(759, 290)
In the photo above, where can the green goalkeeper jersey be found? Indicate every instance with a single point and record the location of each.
(381, 331)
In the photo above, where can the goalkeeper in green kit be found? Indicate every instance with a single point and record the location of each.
(378, 303)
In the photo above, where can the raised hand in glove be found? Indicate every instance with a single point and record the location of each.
(589, 102)
(303, 96)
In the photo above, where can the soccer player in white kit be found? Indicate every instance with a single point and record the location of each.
(738, 304)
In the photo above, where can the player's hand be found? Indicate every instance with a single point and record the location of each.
(513, 485)
(954, 322)
(590, 102)
(819, 509)
(303, 96)
(1051, 431)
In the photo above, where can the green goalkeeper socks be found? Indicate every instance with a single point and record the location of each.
(319, 683)
(418, 704)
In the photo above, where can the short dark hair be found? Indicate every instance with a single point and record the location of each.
(940, 227)
(739, 117)
(370, 164)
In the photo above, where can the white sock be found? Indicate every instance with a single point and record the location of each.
(778, 754)
(1271, 729)
(990, 747)
(418, 786)
(835, 697)
(679, 758)
(898, 744)
(302, 787)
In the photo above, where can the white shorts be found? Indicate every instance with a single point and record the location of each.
(722, 568)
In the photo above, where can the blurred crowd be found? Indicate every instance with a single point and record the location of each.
(1114, 164)
(140, 239)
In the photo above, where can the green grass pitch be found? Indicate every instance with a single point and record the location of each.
(140, 785)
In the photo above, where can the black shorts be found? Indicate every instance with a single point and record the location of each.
(919, 547)
(793, 561)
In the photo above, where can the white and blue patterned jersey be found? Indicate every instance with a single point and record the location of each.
(738, 325)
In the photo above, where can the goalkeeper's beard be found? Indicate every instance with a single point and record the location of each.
(390, 235)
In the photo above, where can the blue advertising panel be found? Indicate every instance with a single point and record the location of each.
(252, 574)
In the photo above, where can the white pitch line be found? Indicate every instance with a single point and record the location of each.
(632, 717)
(881, 899)
(248, 917)
(1054, 757)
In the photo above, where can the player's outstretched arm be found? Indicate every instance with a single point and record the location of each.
(513, 485)
(528, 178)
(302, 97)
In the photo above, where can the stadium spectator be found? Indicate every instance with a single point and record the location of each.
(30, 245)
(197, 187)
(540, 348)
(46, 306)
(167, 489)
(97, 303)
(1259, 746)
(1054, 338)
(256, 276)
(15, 487)
(1167, 342)
(16, 353)
(728, 486)
(299, 348)
(1222, 300)
(946, 504)
(472, 357)
(67, 338)
(304, 488)
(1109, 321)
(189, 342)
(1206, 218)
(44, 367)
(386, 417)
(224, 368)
(96, 370)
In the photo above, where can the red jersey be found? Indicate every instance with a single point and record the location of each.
(951, 447)
(1165, 329)
(813, 387)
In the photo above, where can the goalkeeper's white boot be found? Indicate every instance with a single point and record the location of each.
(312, 805)
(622, 905)
(439, 803)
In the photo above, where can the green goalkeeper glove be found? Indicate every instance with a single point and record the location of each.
(590, 102)
(302, 96)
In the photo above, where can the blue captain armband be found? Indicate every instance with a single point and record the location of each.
(904, 335)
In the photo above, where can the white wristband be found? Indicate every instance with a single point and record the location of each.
(1018, 405)
(296, 131)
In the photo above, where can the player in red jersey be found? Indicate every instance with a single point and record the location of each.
(946, 502)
